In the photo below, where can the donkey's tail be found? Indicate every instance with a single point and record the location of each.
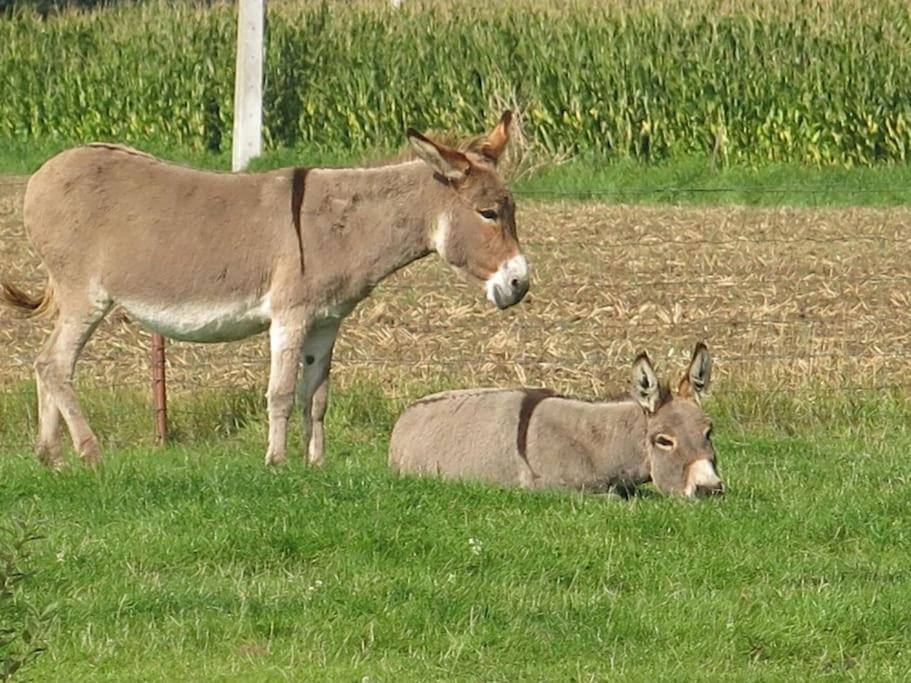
(11, 295)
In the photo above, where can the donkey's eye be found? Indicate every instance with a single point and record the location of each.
(664, 441)
(489, 214)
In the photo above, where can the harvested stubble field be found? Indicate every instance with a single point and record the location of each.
(789, 300)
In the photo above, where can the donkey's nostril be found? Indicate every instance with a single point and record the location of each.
(514, 283)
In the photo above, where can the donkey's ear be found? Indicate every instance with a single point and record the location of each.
(448, 162)
(646, 391)
(496, 142)
(695, 382)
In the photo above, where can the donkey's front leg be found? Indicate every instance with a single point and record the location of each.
(313, 389)
(285, 340)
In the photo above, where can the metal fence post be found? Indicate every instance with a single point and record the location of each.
(159, 390)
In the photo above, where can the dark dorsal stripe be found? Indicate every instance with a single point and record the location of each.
(531, 399)
(298, 185)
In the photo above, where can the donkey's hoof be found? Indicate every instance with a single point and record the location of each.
(275, 459)
(50, 456)
(315, 455)
(90, 452)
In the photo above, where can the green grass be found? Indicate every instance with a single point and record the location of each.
(691, 180)
(22, 158)
(196, 563)
(696, 180)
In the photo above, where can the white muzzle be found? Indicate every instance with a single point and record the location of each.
(703, 479)
(509, 284)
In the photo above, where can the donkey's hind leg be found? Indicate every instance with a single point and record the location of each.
(48, 447)
(55, 366)
(313, 387)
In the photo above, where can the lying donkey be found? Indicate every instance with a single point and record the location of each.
(534, 438)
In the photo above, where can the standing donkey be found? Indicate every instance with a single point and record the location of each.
(212, 257)
(534, 438)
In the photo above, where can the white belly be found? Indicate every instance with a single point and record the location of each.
(203, 321)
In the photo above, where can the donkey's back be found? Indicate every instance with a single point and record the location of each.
(528, 437)
(468, 434)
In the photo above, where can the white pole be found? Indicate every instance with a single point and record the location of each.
(248, 84)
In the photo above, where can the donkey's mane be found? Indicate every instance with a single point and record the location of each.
(546, 393)
(664, 394)
(132, 151)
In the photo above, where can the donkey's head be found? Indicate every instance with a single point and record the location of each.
(474, 229)
(679, 436)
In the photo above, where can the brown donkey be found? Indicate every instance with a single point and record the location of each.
(211, 257)
(534, 438)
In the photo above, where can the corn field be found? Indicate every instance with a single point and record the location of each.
(822, 82)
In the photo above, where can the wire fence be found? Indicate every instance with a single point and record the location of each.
(787, 299)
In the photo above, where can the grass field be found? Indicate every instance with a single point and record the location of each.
(688, 180)
(196, 563)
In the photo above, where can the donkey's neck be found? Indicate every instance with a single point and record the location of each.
(368, 223)
(615, 434)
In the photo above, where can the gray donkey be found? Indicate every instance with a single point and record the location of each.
(535, 438)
